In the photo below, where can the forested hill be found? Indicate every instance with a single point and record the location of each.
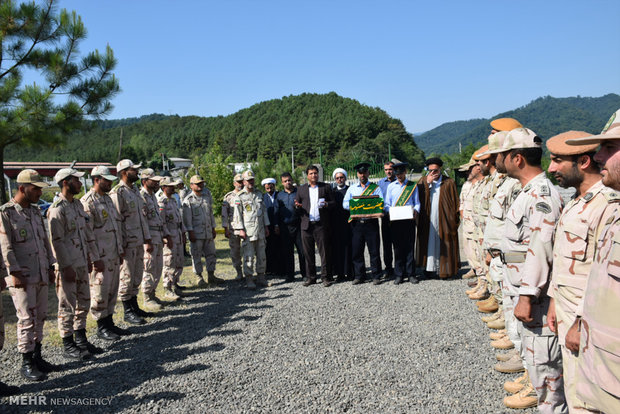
(546, 116)
(340, 129)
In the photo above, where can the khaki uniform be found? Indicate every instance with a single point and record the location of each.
(2, 274)
(480, 213)
(250, 215)
(153, 261)
(73, 243)
(198, 217)
(573, 252)
(134, 227)
(234, 241)
(527, 253)
(469, 228)
(106, 224)
(26, 248)
(173, 224)
(598, 366)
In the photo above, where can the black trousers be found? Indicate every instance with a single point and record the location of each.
(290, 238)
(319, 234)
(271, 252)
(342, 261)
(387, 241)
(403, 234)
(366, 233)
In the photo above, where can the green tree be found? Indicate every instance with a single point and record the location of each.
(212, 166)
(37, 37)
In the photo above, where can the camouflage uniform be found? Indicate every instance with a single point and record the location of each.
(250, 215)
(527, 254)
(26, 249)
(198, 217)
(234, 241)
(173, 224)
(480, 211)
(73, 243)
(573, 252)
(135, 230)
(3, 274)
(153, 261)
(106, 224)
(469, 228)
(598, 366)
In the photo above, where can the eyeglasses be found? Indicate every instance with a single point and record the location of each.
(434, 170)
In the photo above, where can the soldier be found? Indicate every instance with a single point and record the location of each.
(28, 258)
(527, 256)
(154, 260)
(173, 222)
(597, 384)
(136, 238)
(5, 390)
(234, 242)
(469, 228)
(73, 243)
(250, 222)
(574, 244)
(200, 224)
(106, 224)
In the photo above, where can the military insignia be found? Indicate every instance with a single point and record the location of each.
(527, 187)
(23, 233)
(610, 220)
(132, 204)
(248, 207)
(104, 213)
(515, 192)
(544, 190)
(543, 207)
(72, 224)
(588, 197)
(612, 196)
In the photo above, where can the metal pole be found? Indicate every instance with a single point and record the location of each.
(389, 151)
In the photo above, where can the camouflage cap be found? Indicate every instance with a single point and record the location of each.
(29, 176)
(196, 179)
(521, 138)
(466, 167)
(248, 175)
(149, 174)
(481, 155)
(496, 142)
(505, 124)
(611, 131)
(238, 177)
(557, 145)
(102, 171)
(66, 172)
(124, 164)
(169, 182)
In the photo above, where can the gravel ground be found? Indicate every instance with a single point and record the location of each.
(359, 349)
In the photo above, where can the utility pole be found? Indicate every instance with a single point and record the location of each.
(389, 152)
(120, 146)
(292, 160)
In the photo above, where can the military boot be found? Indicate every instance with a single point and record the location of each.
(104, 332)
(474, 288)
(485, 301)
(115, 329)
(239, 273)
(29, 368)
(490, 307)
(499, 323)
(514, 364)
(72, 351)
(489, 318)
(211, 278)
(262, 281)
(138, 311)
(8, 390)
(469, 275)
(507, 355)
(481, 292)
(171, 294)
(249, 282)
(150, 302)
(473, 283)
(42, 364)
(526, 398)
(517, 385)
(201, 282)
(130, 314)
(503, 343)
(498, 335)
(82, 342)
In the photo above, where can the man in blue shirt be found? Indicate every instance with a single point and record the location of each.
(365, 231)
(403, 192)
(386, 232)
(287, 225)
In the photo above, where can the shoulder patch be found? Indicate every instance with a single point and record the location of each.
(116, 188)
(527, 187)
(515, 192)
(543, 207)
(56, 203)
(544, 190)
(612, 196)
(587, 197)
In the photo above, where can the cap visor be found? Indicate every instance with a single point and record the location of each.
(594, 139)
(109, 177)
(40, 184)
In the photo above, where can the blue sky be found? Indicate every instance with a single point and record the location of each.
(424, 62)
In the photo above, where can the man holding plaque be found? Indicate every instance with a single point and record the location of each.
(403, 205)
(364, 201)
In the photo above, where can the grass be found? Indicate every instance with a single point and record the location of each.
(51, 337)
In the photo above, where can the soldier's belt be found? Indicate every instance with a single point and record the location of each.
(513, 257)
(158, 228)
(495, 252)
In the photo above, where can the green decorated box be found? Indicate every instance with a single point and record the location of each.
(366, 207)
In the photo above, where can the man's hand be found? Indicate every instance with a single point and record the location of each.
(68, 275)
(213, 233)
(242, 234)
(226, 233)
(297, 204)
(573, 337)
(99, 266)
(18, 280)
(168, 241)
(266, 231)
(552, 321)
(192, 236)
(276, 230)
(523, 310)
(488, 258)
(149, 247)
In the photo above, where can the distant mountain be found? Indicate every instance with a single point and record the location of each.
(547, 116)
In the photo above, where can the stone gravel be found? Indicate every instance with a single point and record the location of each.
(288, 348)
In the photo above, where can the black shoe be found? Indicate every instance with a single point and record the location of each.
(376, 281)
(72, 351)
(414, 280)
(138, 311)
(309, 282)
(389, 272)
(42, 364)
(8, 390)
(130, 315)
(398, 280)
(29, 369)
(104, 332)
(116, 329)
(357, 281)
(181, 287)
(328, 283)
(289, 279)
(82, 342)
